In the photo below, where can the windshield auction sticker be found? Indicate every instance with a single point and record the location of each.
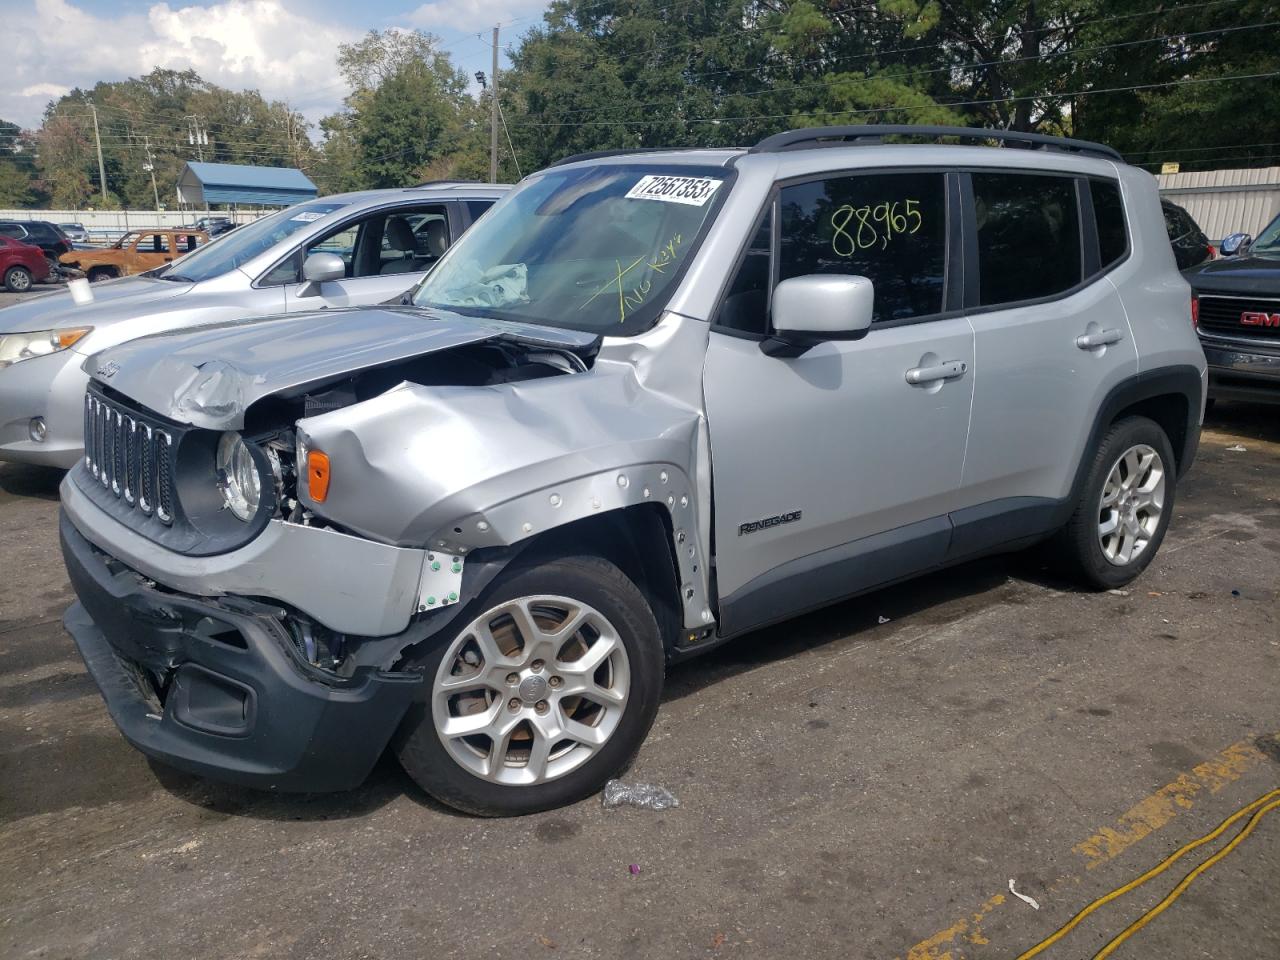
(694, 191)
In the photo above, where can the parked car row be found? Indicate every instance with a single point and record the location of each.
(465, 494)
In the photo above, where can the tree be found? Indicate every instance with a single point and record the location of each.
(413, 117)
(408, 111)
(16, 188)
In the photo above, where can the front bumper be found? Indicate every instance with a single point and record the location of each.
(51, 387)
(213, 688)
(349, 584)
(1240, 371)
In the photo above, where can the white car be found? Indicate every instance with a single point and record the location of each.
(347, 250)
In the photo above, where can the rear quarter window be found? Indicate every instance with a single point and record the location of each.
(1108, 214)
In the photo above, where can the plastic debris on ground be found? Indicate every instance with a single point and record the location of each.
(1023, 897)
(634, 869)
(884, 619)
(643, 795)
(1238, 448)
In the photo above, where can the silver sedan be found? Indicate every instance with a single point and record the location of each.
(346, 250)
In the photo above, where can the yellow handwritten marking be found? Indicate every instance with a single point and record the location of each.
(1162, 806)
(1228, 766)
(938, 947)
(664, 257)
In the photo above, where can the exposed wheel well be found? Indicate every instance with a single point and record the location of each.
(103, 272)
(639, 540)
(1171, 412)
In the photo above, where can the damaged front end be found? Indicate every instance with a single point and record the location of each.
(234, 627)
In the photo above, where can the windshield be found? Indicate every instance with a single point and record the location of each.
(1268, 240)
(127, 240)
(243, 244)
(596, 248)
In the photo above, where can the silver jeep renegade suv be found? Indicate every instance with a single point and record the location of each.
(650, 402)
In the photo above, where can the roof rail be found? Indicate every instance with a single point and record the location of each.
(447, 183)
(875, 133)
(600, 154)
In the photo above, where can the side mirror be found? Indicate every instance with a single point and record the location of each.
(320, 268)
(809, 310)
(1235, 244)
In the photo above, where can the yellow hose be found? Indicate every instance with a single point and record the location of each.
(1268, 800)
(1185, 882)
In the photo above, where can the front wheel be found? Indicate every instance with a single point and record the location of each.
(541, 698)
(17, 280)
(1125, 507)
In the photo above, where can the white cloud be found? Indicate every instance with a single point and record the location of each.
(473, 15)
(43, 90)
(270, 45)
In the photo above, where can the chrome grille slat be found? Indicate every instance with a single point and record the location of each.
(130, 457)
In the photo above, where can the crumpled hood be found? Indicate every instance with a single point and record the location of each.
(112, 301)
(208, 377)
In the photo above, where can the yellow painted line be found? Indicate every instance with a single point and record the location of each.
(1139, 821)
(1162, 806)
(938, 947)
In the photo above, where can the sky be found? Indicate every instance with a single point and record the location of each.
(284, 48)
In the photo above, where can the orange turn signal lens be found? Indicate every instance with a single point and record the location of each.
(317, 475)
(66, 338)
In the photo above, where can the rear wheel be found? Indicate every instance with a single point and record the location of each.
(1125, 507)
(542, 697)
(17, 279)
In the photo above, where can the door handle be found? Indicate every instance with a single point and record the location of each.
(939, 371)
(1099, 338)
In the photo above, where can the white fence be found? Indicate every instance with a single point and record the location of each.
(109, 225)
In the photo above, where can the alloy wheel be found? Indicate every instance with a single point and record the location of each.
(1131, 505)
(531, 690)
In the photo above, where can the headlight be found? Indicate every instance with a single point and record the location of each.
(238, 477)
(15, 347)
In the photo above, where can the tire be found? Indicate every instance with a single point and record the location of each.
(1140, 508)
(17, 279)
(544, 764)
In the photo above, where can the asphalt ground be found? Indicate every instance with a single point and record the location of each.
(861, 782)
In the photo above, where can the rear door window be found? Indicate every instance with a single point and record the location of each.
(888, 227)
(1028, 229)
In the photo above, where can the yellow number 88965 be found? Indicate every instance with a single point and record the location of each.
(876, 225)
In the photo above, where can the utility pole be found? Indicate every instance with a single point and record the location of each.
(493, 113)
(102, 167)
(196, 137)
(151, 169)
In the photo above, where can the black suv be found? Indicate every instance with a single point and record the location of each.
(40, 233)
(1190, 246)
(1236, 303)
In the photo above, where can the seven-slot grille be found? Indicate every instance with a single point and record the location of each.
(130, 457)
(1223, 315)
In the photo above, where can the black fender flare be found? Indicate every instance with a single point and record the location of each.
(1182, 380)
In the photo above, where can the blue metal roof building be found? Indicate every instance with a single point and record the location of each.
(203, 184)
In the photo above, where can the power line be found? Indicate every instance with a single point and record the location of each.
(949, 68)
(930, 106)
(917, 48)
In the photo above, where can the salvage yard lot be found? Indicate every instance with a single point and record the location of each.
(848, 787)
